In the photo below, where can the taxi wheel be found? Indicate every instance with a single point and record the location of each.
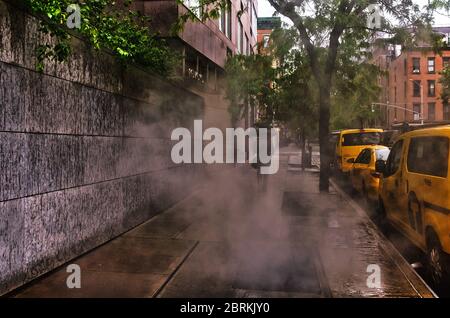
(437, 263)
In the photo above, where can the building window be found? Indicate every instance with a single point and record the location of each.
(240, 38)
(431, 65)
(432, 88)
(416, 88)
(446, 111)
(194, 6)
(431, 111)
(405, 88)
(225, 20)
(417, 112)
(254, 21)
(405, 62)
(416, 65)
(266, 39)
(221, 21)
(446, 61)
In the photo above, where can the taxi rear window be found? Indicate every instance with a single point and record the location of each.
(429, 155)
(362, 139)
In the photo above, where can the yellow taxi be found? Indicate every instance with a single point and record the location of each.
(351, 142)
(365, 180)
(414, 194)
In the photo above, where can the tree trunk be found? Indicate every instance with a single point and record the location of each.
(324, 136)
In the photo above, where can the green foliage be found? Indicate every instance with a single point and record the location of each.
(296, 96)
(278, 84)
(445, 82)
(105, 25)
(202, 10)
(355, 89)
(248, 83)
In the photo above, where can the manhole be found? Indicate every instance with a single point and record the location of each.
(279, 268)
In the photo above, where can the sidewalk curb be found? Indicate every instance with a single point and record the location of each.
(410, 274)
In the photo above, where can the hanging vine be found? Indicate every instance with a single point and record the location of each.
(104, 25)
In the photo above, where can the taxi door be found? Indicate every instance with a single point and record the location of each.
(360, 167)
(428, 176)
(393, 183)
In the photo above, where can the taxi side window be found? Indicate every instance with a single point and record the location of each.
(393, 162)
(429, 156)
(360, 156)
(365, 157)
(368, 157)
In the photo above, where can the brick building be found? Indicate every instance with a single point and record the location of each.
(411, 85)
(205, 47)
(266, 25)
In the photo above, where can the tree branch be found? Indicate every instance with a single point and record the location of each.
(345, 8)
(287, 9)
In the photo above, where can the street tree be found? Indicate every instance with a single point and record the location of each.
(278, 84)
(327, 29)
(296, 97)
(355, 88)
(248, 85)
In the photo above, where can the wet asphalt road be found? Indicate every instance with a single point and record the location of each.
(409, 251)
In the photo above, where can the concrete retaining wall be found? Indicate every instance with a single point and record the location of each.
(84, 150)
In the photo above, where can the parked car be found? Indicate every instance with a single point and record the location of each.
(365, 180)
(414, 194)
(351, 142)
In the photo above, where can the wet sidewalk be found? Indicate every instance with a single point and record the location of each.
(232, 239)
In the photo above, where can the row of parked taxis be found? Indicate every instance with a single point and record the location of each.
(408, 183)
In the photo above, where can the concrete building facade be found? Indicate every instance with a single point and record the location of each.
(205, 47)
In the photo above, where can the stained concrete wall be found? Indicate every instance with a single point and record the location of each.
(84, 150)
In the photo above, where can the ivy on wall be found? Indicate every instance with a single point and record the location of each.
(104, 25)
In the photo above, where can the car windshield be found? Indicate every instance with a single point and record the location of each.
(360, 139)
(382, 154)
